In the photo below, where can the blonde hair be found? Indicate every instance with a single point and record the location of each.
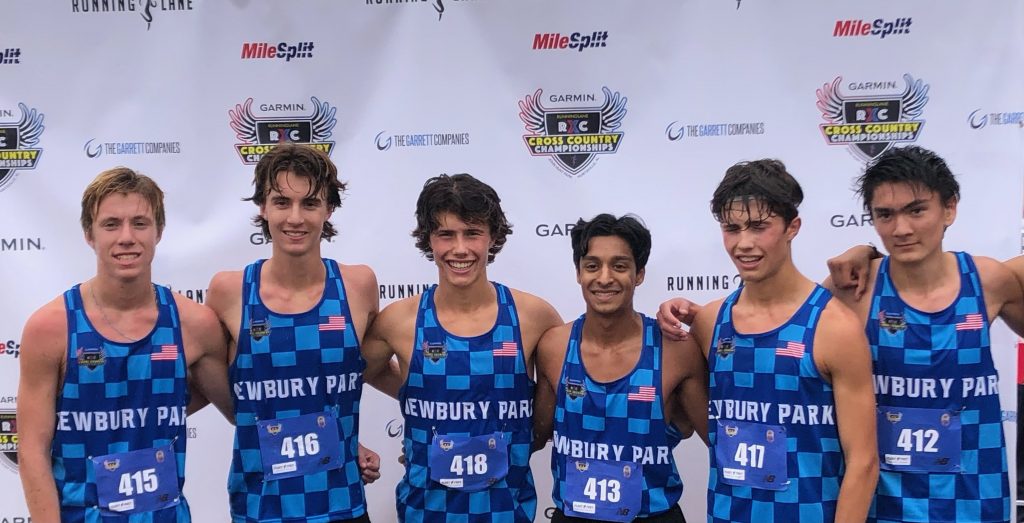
(121, 180)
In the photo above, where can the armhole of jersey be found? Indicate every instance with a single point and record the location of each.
(346, 309)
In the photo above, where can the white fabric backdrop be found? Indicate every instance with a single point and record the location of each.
(107, 75)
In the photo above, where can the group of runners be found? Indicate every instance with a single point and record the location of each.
(870, 396)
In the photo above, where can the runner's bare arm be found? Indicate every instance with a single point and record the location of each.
(841, 352)
(43, 353)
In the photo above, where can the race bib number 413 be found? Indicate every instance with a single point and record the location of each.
(603, 490)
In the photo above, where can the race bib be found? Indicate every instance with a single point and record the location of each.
(137, 481)
(752, 455)
(919, 440)
(299, 446)
(602, 490)
(468, 463)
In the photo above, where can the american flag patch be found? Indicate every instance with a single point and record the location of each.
(334, 323)
(792, 349)
(642, 394)
(972, 322)
(166, 353)
(507, 348)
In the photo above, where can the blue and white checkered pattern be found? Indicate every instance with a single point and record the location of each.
(604, 414)
(928, 345)
(468, 371)
(753, 371)
(296, 347)
(128, 378)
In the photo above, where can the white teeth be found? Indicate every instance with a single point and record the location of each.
(126, 256)
(460, 265)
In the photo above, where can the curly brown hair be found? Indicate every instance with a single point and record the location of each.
(304, 161)
(470, 199)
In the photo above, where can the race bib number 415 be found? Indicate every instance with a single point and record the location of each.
(138, 481)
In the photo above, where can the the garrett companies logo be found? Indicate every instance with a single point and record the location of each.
(145, 8)
(17, 139)
(576, 41)
(676, 131)
(870, 124)
(95, 149)
(879, 28)
(979, 120)
(258, 135)
(385, 141)
(283, 51)
(10, 56)
(8, 438)
(572, 135)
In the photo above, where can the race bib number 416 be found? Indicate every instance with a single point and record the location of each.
(299, 446)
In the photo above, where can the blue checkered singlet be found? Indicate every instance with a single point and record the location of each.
(100, 408)
(760, 371)
(604, 415)
(912, 346)
(318, 351)
(453, 372)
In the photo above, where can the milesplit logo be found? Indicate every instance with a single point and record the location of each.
(569, 134)
(870, 124)
(10, 349)
(879, 28)
(282, 51)
(95, 149)
(17, 141)
(385, 141)
(578, 42)
(10, 56)
(259, 134)
(979, 119)
(144, 8)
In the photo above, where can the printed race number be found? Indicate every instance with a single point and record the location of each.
(474, 464)
(138, 482)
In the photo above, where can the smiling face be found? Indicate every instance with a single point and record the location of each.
(124, 236)
(608, 275)
(910, 220)
(295, 217)
(460, 250)
(757, 241)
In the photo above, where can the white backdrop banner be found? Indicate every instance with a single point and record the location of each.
(568, 108)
